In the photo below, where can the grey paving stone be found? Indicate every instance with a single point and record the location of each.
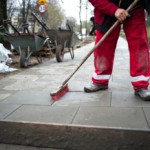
(101, 98)
(47, 114)
(3, 96)
(47, 71)
(84, 99)
(86, 69)
(119, 66)
(123, 71)
(53, 78)
(31, 71)
(22, 76)
(23, 81)
(121, 76)
(6, 82)
(83, 77)
(121, 62)
(7, 91)
(6, 109)
(147, 114)
(29, 97)
(26, 84)
(19, 147)
(77, 86)
(111, 117)
(125, 99)
(145, 103)
(120, 86)
(51, 87)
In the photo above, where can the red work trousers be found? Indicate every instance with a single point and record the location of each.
(136, 35)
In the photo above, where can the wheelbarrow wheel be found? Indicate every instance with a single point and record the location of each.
(71, 52)
(23, 59)
(59, 53)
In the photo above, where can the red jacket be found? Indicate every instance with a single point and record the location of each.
(102, 8)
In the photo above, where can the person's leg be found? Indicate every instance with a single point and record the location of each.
(103, 60)
(135, 30)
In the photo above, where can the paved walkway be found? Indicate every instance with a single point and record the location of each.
(25, 95)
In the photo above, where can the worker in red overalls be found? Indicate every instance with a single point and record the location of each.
(105, 13)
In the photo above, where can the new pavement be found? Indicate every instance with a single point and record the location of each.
(25, 96)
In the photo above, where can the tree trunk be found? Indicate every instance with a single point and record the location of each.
(3, 10)
(3, 16)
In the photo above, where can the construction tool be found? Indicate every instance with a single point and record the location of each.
(60, 91)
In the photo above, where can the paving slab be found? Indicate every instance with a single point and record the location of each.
(123, 75)
(53, 78)
(120, 86)
(45, 114)
(112, 117)
(125, 99)
(78, 98)
(4, 82)
(7, 109)
(75, 85)
(81, 76)
(4, 95)
(147, 114)
(26, 84)
(29, 97)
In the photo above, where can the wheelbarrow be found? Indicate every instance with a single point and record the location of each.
(60, 39)
(26, 45)
(71, 42)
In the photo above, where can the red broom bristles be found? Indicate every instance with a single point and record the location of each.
(56, 95)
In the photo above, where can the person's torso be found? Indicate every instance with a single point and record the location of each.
(99, 16)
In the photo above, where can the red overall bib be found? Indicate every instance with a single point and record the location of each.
(136, 34)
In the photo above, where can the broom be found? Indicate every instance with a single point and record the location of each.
(60, 91)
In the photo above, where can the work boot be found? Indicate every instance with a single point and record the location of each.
(143, 94)
(94, 88)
